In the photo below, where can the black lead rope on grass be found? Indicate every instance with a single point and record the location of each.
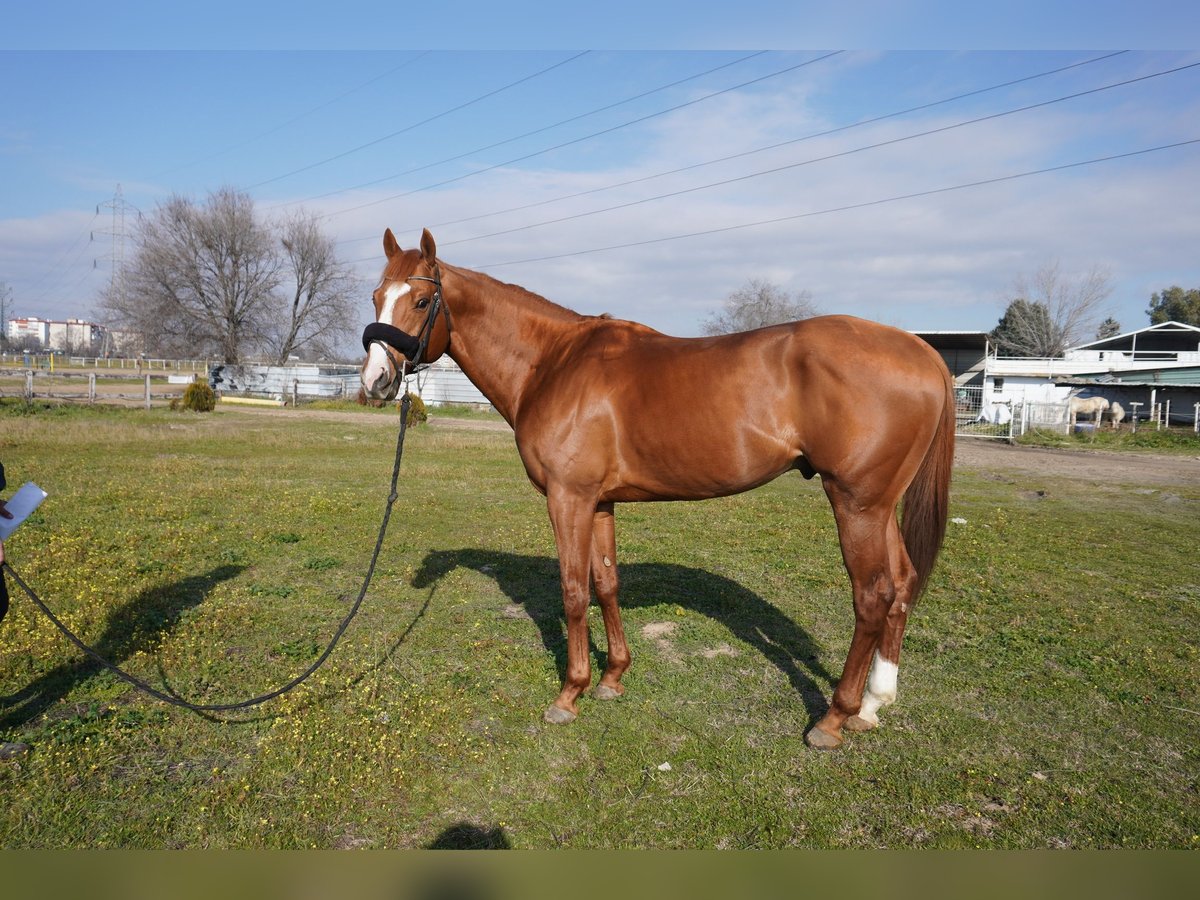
(270, 695)
(405, 404)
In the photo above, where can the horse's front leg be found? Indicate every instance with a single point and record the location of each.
(571, 517)
(605, 581)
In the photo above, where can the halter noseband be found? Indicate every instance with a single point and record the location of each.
(411, 348)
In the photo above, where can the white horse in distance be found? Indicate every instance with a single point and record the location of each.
(1117, 413)
(1092, 406)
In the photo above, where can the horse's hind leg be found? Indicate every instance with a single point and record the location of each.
(605, 581)
(864, 536)
(882, 680)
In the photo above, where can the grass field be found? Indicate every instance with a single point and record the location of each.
(1048, 691)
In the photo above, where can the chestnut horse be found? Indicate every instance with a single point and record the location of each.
(606, 411)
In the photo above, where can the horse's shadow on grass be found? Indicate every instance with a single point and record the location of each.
(131, 628)
(532, 582)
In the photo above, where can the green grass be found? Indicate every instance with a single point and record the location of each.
(1047, 689)
(1175, 441)
(446, 411)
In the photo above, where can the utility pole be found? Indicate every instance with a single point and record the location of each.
(5, 310)
(118, 206)
(116, 281)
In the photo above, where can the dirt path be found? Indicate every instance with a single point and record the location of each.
(1085, 465)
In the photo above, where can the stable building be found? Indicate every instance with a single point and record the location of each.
(1152, 366)
(964, 352)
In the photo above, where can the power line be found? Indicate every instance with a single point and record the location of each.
(426, 121)
(831, 131)
(296, 118)
(55, 266)
(586, 137)
(846, 208)
(63, 273)
(843, 153)
(535, 131)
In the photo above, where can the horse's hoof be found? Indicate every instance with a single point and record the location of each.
(858, 723)
(822, 740)
(604, 692)
(556, 715)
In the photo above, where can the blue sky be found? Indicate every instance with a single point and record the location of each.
(528, 156)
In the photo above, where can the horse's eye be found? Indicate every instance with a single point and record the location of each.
(422, 303)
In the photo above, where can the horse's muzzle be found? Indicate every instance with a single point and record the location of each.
(401, 341)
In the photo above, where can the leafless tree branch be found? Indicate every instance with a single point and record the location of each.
(756, 304)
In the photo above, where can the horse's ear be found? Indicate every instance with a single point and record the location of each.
(390, 247)
(428, 247)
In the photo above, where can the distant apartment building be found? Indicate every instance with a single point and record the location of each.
(76, 335)
(30, 328)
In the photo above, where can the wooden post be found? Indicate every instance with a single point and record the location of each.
(147, 391)
(295, 392)
(91, 387)
(29, 385)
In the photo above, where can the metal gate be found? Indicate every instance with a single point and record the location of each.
(980, 414)
(1045, 416)
(977, 416)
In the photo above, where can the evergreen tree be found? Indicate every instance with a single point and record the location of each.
(1175, 305)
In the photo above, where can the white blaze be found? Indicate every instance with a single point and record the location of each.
(378, 368)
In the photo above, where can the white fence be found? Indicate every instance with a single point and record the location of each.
(444, 382)
(1006, 417)
(140, 365)
(94, 387)
(1044, 415)
(978, 414)
(285, 382)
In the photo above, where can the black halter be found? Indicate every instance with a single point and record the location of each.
(412, 348)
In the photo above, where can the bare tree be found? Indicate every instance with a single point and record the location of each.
(756, 304)
(201, 280)
(318, 315)
(1050, 311)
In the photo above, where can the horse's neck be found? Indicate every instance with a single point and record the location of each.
(501, 335)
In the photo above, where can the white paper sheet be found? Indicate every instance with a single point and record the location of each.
(21, 504)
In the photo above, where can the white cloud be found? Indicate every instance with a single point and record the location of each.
(939, 261)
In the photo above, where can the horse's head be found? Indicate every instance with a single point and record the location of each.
(412, 324)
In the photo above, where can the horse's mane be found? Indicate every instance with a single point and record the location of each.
(526, 298)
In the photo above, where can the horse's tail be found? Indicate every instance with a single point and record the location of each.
(927, 500)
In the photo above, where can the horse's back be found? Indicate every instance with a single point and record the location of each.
(813, 369)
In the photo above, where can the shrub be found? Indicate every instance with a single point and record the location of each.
(364, 400)
(416, 412)
(199, 397)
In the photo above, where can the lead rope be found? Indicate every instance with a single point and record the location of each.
(405, 404)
